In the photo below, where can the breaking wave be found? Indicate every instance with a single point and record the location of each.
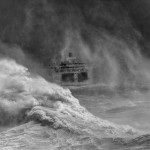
(48, 108)
(43, 101)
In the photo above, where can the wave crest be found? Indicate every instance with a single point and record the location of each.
(27, 97)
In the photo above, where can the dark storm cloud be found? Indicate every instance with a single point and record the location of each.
(38, 26)
(98, 29)
(139, 11)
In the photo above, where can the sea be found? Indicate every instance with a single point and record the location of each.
(39, 115)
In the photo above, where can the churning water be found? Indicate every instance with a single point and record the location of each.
(36, 114)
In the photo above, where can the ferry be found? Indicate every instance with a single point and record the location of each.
(71, 72)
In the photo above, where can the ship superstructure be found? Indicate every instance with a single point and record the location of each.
(71, 71)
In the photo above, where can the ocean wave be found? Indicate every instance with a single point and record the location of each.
(52, 117)
(24, 97)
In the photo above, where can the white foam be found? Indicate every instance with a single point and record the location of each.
(48, 102)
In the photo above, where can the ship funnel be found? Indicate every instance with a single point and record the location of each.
(70, 54)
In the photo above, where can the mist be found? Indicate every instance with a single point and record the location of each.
(104, 34)
(111, 37)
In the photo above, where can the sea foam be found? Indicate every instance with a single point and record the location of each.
(24, 97)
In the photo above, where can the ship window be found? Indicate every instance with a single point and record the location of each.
(67, 77)
(82, 76)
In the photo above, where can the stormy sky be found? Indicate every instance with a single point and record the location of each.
(139, 11)
(103, 32)
(19, 17)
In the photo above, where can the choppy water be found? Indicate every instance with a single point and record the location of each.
(36, 114)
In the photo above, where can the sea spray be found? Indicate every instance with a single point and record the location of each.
(49, 103)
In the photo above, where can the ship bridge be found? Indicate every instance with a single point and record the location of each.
(72, 71)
